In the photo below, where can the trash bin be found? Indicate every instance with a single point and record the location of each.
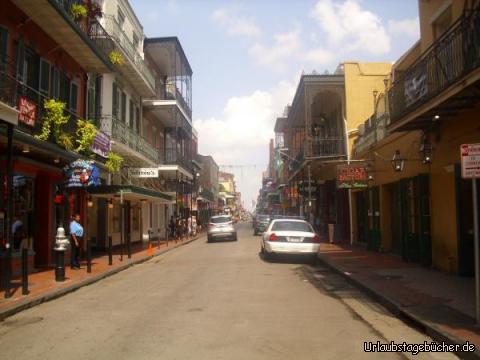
(331, 232)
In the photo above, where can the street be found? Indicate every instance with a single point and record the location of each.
(209, 301)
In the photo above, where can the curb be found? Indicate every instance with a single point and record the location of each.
(27, 304)
(403, 314)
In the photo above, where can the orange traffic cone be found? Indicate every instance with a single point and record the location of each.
(150, 249)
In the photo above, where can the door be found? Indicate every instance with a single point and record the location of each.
(423, 230)
(396, 220)
(374, 219)
(362, 216)
(465, 236)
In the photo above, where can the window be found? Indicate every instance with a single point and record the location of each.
(64, 88)
(138, 120)
(115, 101)
(3, 44)
(44, 77)
(120, 18)
(55, 81)
(123, 107)
(442, 23)
(131, 114)
(136, 41)
(73, 97)
(291, 226)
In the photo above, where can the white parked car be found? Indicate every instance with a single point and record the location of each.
(290, 236)
(221, 227)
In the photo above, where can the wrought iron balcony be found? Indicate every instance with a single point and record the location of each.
(113, 28)
(374, 130)
(122, 133)
(173, 157)
(172, 93)
(327, 147)
(448, 60)
(8, 85)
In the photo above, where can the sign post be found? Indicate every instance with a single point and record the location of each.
(470, 158)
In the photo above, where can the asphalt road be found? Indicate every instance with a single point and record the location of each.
(208, 301)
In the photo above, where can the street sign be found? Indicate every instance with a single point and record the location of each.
(470, 158)
(143, 172)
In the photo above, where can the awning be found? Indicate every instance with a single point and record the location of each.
(165, 169)
(130, 192)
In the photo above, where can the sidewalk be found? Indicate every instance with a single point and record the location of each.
(442, 304)
(43, 287)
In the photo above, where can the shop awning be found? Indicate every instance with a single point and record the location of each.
(130, 192)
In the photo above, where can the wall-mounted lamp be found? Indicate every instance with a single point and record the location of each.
(110, 204)
(26, 149)
(427, 150)
(90, 202)
(398, 162)
(56, 160)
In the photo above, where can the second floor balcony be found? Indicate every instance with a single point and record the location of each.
(175, 157)
(454, 57)
(128, 142)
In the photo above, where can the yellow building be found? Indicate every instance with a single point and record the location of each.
(418, 206)
(319, 130)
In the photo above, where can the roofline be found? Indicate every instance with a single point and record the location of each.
(155, 40)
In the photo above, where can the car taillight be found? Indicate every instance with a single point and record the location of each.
(316, 239)
(273, 237)
(211, 225)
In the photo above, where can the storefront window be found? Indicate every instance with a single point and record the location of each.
(23, 211)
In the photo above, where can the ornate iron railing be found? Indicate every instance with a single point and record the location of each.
(333, 146)
(172, 93)
(172, 156)
(449, 59)
(121, 132)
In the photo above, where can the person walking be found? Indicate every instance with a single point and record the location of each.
(76, 237)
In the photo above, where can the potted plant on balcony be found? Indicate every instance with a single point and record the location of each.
(86, 132)
(114, 162)
(78, 11)
(53, 122)
(116, 58)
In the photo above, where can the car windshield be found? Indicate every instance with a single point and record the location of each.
(220, 219)
(291, 226)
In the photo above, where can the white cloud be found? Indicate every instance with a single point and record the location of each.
(241, 136)
(320, 56)
(234, 24)
(285, 46)
(350, 27)
(409, 27)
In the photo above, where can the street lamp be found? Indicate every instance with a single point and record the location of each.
(398, 162)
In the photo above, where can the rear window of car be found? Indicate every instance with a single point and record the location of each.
(291, 226)
(263, 217)
(220, 219)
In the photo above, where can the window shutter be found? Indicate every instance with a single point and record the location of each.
(73, 97)
(130, 114)
(21, 61)
(3, 44)
(44, 77)
(114, 100)
(124, 107)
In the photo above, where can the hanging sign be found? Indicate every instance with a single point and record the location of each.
(27, 111)
(304, 188)
(143, 172)
(81, 173)
(470, 158)
(351, 177)
(101, 144)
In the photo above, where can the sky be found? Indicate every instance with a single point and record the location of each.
(247, 58)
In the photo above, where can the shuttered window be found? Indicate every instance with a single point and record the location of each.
(114, 100)
(3, 44)
(55, 83)
(123, 107)
(44, 77)
(131, 114)
(73, 97)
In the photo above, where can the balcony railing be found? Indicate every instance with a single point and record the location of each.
(123, 134)
(172, 156)
(327, 147)
(172, 93)
(374, 130)
(449, 59)
(12, 90)
(112, 27)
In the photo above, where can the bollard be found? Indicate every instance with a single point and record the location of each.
(24, 271)
(60, 265)
(89, 256)
(110, 253)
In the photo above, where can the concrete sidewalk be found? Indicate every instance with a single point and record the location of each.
(43, 287)
(441, 304)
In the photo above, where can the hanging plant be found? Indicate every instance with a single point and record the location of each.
(116, 58)
(114, 162)
(78, 11)
(86, 132)
(53, 121)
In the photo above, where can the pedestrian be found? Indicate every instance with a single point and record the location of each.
(172, 227)
(76, 237)
(18, 233)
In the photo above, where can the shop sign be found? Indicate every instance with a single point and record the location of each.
(351, 177)
(27, 111)
(101, 144)
(81, 173)
(143, 172)
(470, 156)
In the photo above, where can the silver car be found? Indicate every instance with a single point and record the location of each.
(290, 236)
(221, 227)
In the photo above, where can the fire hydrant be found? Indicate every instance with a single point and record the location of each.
(62, 243)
